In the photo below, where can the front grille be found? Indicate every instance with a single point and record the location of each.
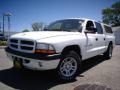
(22, 45)
(14, 41)
(26, 48)
(27, 42)
(14, 46)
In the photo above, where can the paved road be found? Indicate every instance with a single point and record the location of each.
(96, 73)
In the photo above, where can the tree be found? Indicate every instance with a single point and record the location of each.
(37, 26)
(112, 15)
(26, 30)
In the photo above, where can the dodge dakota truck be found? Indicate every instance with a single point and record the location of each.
(62, 46)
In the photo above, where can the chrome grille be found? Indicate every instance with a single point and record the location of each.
(27, 42)
(22, 45)
(13, 40)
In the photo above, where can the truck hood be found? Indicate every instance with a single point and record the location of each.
(42, 34)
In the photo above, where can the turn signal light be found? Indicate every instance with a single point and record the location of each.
(42, 51)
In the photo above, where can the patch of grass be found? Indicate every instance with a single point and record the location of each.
(3, 43)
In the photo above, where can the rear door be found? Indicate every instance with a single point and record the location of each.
(100, 39)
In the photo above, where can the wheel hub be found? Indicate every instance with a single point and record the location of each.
(68, 66)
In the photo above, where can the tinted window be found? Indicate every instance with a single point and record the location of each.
(66, 25)
(90, 27)
(56, 26)
(89, 24)
(99, 28)
(108, 29)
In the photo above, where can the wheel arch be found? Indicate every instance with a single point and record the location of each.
(75, 48)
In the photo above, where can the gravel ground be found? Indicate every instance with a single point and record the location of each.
(97, 74)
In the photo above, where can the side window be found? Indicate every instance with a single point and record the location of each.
(90, 27)
(89, 24)
(108, 29)
(99, 28)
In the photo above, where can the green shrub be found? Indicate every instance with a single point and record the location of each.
(3, 43)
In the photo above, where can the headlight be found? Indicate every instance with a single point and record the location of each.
(44, 48)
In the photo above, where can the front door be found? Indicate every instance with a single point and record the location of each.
(91, 40)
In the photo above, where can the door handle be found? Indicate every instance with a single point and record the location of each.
(96, 39)
(104, 38)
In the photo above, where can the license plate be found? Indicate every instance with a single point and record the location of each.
(18, 63)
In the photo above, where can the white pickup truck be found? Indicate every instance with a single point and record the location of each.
(63, 45)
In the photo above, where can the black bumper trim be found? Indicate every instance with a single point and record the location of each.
(33, 55)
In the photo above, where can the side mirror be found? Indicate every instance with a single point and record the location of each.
(91, 30)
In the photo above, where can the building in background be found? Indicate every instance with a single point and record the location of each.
(116, 31)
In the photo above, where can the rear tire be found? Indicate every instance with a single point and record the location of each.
(69, 66)
(108, 53)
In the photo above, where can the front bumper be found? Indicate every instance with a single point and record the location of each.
(35, 61)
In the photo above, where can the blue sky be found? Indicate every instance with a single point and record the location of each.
(26, 12)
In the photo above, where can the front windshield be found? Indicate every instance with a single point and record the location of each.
(66, 25)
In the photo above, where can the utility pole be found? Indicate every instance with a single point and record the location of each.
(3, 24)
(8, 20)
(0, 26)
(9, 25)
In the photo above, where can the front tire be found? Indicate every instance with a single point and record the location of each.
(17, 64)
(69, 66)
